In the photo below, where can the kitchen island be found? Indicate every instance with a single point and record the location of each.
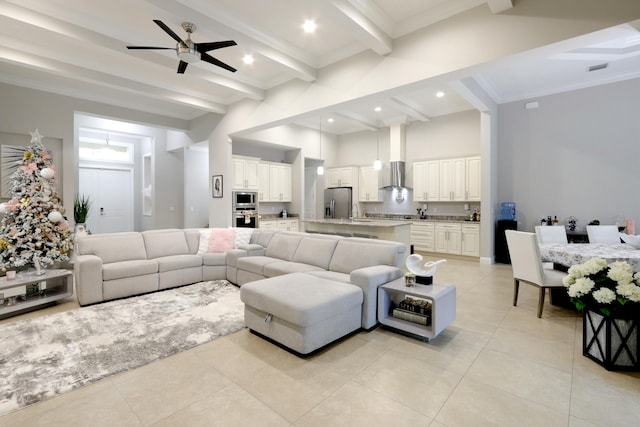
(398, 231)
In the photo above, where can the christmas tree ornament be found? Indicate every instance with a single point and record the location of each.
(55, 216)
(47, 173)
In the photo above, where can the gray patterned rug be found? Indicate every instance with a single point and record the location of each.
(50, 355)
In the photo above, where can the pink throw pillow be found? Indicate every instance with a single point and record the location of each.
(221, 240)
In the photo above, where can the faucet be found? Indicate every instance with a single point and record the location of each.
(355, 209)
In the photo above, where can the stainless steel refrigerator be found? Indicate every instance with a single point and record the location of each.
(337, 202)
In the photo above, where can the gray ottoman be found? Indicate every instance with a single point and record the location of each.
(300, 311)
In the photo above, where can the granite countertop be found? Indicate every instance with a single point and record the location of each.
(361, 222)
(417, 218)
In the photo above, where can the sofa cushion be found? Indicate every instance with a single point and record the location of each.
(113, 247)
(203, 242)
(285, 267)
(168, 242)
(352, 253)
(243, 235)
(124, 269)
(193, 239)
(331, 275)
(221, 240)
(255, 264)
(178, 262)
(301, 299)
(213, 259)
(283, 246)
(262, 237)
(316, 250)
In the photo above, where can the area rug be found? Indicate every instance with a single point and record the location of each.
(50, 355)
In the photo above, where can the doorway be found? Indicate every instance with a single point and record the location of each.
(110, 191)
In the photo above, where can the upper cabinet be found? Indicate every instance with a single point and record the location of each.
(473, 179)
(342, 177)
(369, 185)
(280, 183)
(245, 173)
(452, 180)
(447, 180)
(275, 182)
(426, 181)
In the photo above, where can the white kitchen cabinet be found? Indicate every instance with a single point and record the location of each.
(453, 179)
(426, 181)
(263, 182)
(448, 238)
(268, 224)
(473, 179)
(244, 173)
(447, 180)
(369, 185)
(422, 236)
(280, 184)
(470, 245)
(287, 224)
(341, 177)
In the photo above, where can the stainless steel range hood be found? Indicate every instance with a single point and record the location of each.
(394, 175)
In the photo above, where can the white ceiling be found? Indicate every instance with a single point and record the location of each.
(81, 51)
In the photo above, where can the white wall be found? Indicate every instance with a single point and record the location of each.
(196, 187)
(577, 154)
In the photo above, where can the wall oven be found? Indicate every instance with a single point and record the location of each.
(245, 209)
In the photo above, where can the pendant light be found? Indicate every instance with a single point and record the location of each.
(377, 164)
(320, 170)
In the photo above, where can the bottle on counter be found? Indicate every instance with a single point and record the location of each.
(555, 220)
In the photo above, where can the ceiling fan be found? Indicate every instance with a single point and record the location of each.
(188, 51)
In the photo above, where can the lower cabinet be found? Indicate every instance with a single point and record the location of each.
(422, 236)
(448, 238)
(287, 224)
(471, 239)
(279, 224)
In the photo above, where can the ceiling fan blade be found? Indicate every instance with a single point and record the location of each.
(206, 47)
(168, 31)
(211, 60)
(150, 47)
(182, 66)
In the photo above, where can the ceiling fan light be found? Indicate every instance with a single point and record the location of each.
(377, 164)
(188, 54)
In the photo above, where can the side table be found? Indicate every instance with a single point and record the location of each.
(29, 290)
(443, 306)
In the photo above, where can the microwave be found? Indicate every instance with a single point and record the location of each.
(245, 200)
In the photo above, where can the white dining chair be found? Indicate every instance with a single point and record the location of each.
(551, 234)
(607, 234)
(527, 266)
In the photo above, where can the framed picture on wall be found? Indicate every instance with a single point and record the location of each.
(217, 186)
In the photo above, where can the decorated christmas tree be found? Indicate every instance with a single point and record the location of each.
(33, 230)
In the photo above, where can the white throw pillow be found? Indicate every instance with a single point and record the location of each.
(203, 245)
(243, 235)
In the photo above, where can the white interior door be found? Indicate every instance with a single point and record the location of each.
(111, 195)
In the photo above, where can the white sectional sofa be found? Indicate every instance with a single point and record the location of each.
(311, 288)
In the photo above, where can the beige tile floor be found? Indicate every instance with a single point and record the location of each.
(495, 365)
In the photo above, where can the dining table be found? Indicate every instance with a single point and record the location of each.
(577, 253)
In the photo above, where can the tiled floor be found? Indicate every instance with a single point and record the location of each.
(495, 365)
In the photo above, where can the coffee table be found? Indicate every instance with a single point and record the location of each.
(443, 306)
(29, 290)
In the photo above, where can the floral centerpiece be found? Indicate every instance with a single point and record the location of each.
(607, 288)
(609, 297)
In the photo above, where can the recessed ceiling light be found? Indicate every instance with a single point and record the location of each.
(247, 59)
(440, 94)
(309, 26)
(377, 109)
(330, 120)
